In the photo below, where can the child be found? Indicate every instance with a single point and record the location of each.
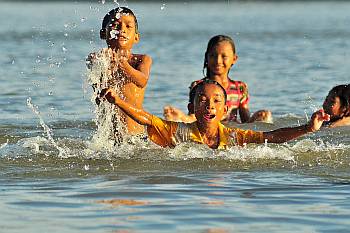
(337, 105)
(209, 107)
(218, 60)
(127, 71)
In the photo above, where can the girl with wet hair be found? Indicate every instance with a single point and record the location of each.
(337, 105)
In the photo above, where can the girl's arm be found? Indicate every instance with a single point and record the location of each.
(139, 115)
(286, 134)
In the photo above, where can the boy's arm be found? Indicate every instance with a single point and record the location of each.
(286, 134)
(139, 115)
(139, 76)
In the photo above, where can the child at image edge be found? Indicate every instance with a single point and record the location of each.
(209, 107)
(219, 58)
(337, 105)
(120, 30)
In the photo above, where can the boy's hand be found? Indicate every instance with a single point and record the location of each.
(110, 95)
(118, 60)
(317, 119)
(122, 59)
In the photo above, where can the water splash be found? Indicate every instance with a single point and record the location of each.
(63, 152)
(5, 144)
(110, 128)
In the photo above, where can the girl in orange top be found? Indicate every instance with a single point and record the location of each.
(209, 107)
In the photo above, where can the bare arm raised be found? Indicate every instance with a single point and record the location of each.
(286, 134)
(137, 70)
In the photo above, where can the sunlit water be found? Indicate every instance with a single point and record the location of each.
(58, 173)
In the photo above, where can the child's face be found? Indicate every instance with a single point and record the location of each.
(333, 107)
(221, 58)
(209, 104)
(121, 32)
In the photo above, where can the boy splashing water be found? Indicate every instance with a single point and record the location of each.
(118, 68)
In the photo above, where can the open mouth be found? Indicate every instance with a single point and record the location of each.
(122, 38)
(209, 117)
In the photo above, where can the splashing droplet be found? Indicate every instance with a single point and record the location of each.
(86, 167)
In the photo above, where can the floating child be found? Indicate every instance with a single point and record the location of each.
(337, 105)
(209, 107)
(127, 73)
(218, 60)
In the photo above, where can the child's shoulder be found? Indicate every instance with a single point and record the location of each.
(142, 58)
(238, 82)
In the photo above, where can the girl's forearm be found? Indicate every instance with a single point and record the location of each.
(286, 134)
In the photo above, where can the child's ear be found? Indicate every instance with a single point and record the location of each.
(190, 108)
(103, 35)
(137, 37)
(235, 58)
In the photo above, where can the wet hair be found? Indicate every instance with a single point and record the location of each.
(194, 89)
(110, 15)
(214, 41)
(343, 92)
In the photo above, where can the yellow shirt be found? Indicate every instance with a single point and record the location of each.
(169, 134)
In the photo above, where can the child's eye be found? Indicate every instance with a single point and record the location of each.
(202, 99)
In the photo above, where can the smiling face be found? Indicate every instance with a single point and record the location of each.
(220, 58)
(209, 104)
(121, 32)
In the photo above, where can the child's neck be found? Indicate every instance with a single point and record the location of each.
(209, 134)
(222, 79)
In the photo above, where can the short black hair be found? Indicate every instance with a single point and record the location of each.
(110, 15)
(194, 89)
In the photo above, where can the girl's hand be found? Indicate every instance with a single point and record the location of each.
(317, 119)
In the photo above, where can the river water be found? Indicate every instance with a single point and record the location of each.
(55, 178)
